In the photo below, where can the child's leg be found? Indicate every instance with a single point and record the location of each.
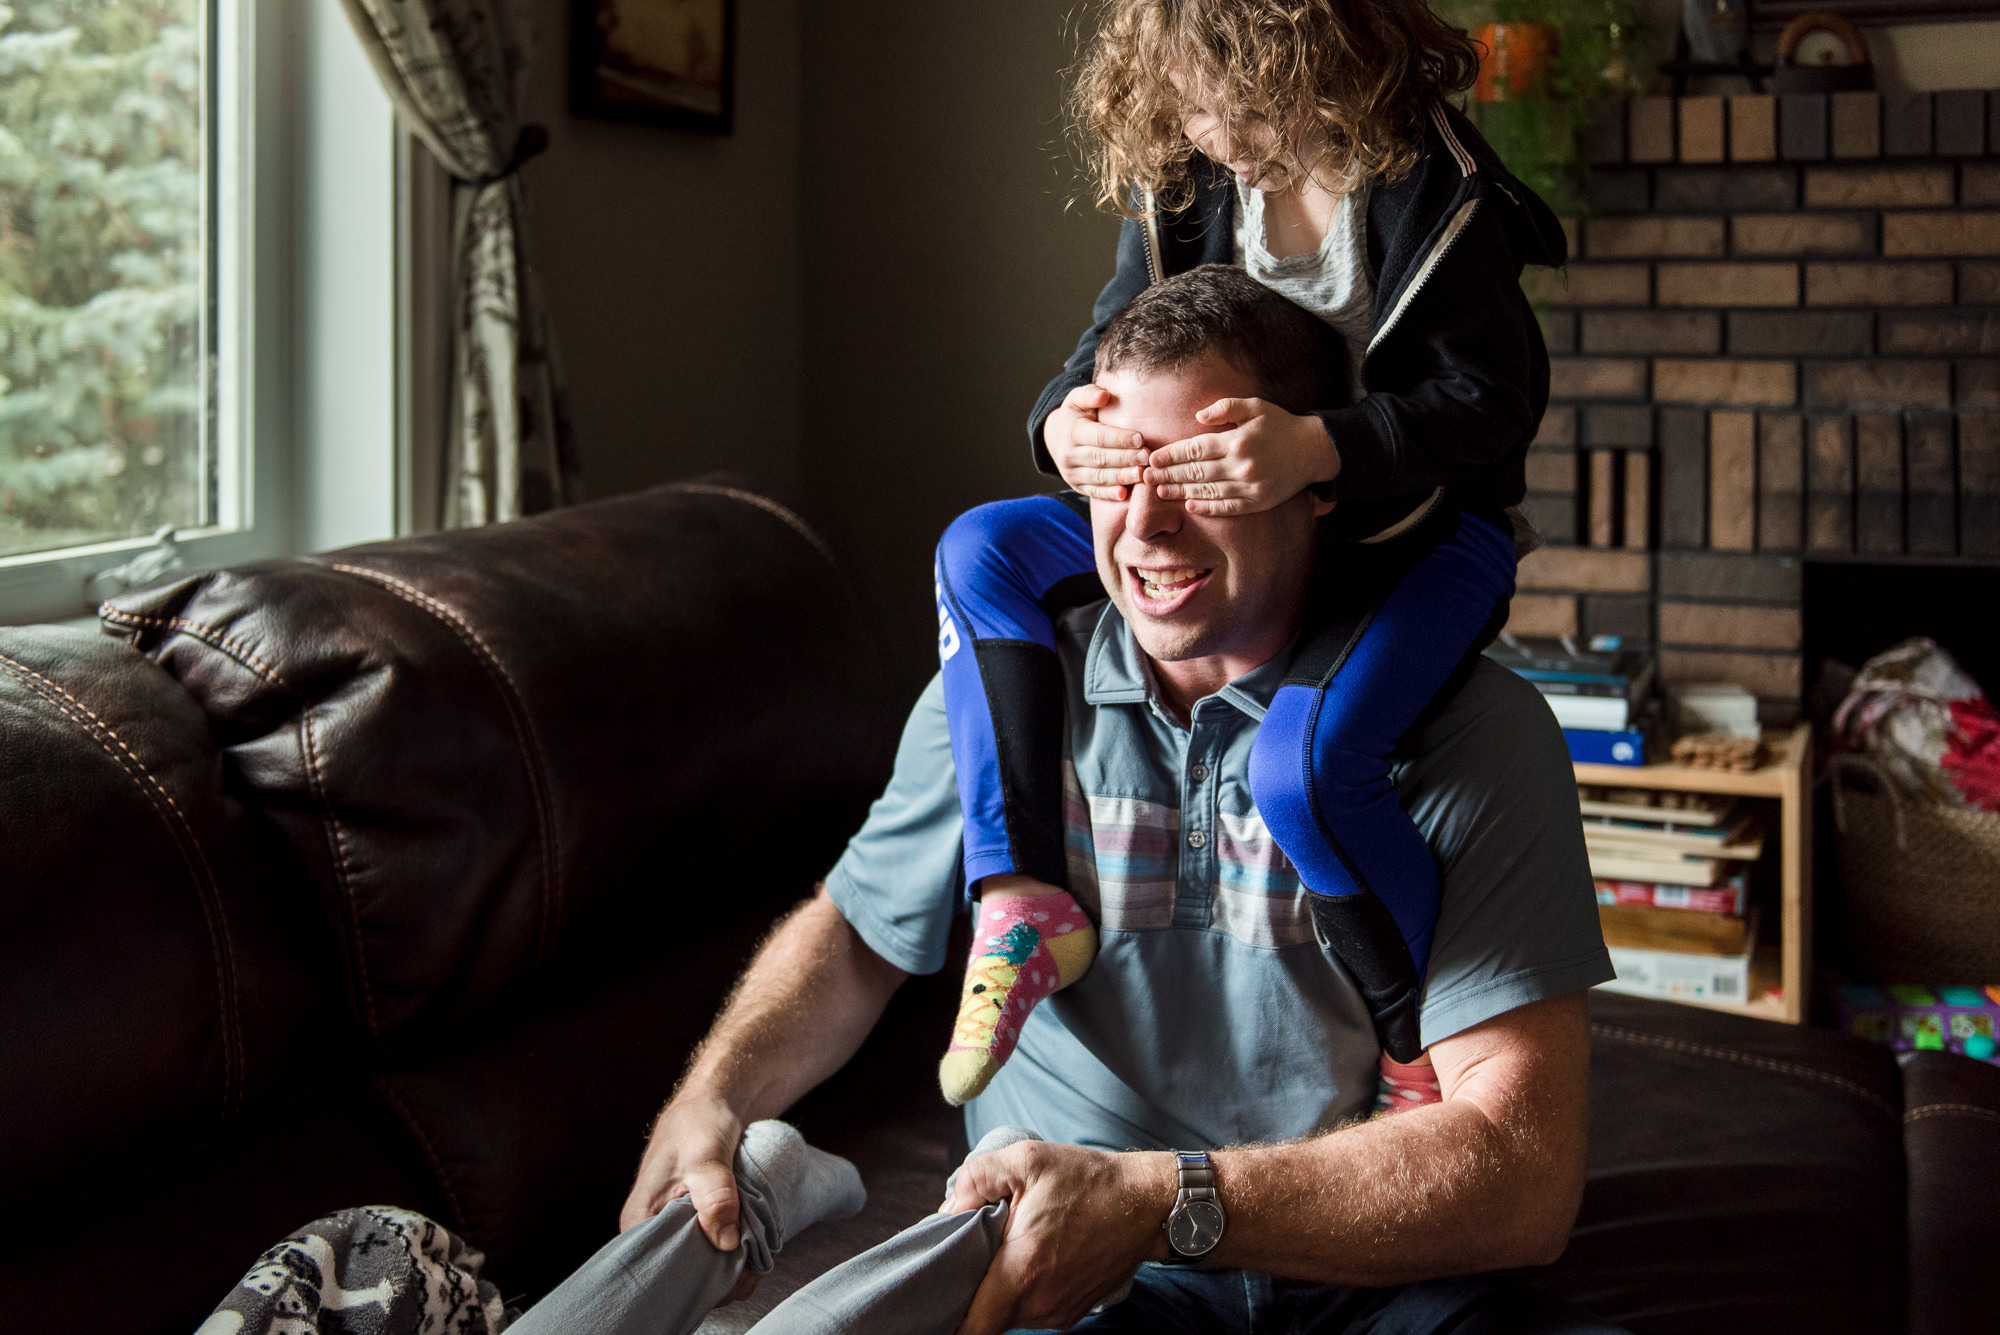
(1024, 946)
(1320, 770)
(1002, 571)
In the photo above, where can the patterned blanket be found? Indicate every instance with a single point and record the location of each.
(373, 1270)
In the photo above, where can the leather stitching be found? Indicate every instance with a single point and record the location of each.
(337, 849)
(210, 635)
(524, 736)
(766, 504)
(1795, 1069)
(1924, 1112)
(416, 1130)
(181, 830)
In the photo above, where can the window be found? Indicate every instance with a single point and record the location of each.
(175, 190)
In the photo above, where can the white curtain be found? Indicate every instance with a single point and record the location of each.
(454, 69)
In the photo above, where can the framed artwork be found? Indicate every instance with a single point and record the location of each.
(657, 62)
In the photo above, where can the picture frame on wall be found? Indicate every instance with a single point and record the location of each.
(654, 62)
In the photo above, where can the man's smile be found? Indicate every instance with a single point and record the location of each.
(1158, 590)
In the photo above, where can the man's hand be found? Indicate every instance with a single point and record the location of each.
(692, 1153)
(1098, 461)
(1080, 1223)
(1258, 456)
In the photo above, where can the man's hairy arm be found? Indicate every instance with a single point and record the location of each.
(800, 1010)
(1489, 1178)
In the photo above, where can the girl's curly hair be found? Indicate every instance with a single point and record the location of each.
(1356, 75)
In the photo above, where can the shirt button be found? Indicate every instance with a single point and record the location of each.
(1196, 839)
(1199, 773)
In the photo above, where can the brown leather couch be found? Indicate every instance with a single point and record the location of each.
(410, 873)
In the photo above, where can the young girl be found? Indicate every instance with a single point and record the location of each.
(1307, 141)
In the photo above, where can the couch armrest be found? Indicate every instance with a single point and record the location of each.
(1951, 1144)
(471, 739)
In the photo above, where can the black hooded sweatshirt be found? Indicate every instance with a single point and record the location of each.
(1456, 370)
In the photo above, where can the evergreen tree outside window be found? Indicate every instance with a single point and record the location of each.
(107, 420)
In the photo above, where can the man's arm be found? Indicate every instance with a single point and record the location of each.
(799, 1012)
(1487, 1179)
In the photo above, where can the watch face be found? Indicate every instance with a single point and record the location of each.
(1195, 1228)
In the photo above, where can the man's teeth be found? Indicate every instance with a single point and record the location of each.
(1158, 581)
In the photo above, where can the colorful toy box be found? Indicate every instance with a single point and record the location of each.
(1909, 1018)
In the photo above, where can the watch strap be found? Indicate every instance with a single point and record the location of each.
(1197, 1183)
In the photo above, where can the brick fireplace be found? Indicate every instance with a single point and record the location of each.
(1778, 342)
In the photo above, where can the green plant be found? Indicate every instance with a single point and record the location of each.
(1540, 135)
(100, 268)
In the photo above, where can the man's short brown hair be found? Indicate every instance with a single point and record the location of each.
(1295, 359)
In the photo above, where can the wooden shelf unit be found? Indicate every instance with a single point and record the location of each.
(1786, 970)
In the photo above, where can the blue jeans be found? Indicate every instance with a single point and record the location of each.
(1168, 1300)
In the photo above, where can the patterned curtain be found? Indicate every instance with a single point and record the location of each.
(454, 69)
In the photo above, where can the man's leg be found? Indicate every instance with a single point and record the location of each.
(1490, 1304)
(663, 1276)
(1172, 1300)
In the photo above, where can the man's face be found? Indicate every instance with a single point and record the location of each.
(1219, 593)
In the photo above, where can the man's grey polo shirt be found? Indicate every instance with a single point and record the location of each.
(1212, 1015)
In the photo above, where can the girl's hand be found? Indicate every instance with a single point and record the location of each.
(1100, 462)
(1258, 456)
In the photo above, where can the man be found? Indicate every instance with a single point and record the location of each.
(1212, 1016)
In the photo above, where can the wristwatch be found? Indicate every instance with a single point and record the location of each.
(1196, 1224)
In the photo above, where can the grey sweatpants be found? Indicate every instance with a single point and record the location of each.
(663, 1277)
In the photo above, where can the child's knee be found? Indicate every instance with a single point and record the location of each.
(1280, 777)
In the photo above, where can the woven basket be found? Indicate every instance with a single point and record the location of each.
(1921, 881)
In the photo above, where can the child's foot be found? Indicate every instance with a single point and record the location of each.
(1023, 948)
(1401, 1086)
(801, 1184)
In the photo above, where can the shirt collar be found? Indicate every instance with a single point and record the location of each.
(1116, 671)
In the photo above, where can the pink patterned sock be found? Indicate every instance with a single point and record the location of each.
(1023, 948)
(1400, 1087)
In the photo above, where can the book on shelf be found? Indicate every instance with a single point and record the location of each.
(1603, 662)
(1742, 842)
(1646, 804)
(1685, 975)
(1642, 927)
(1596, 746)
(1684, 870)
(1731, 896)
(1605, 713)
(1600, 688)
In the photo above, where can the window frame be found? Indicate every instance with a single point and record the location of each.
(268, 60)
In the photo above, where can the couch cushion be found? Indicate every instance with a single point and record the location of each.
(1744, 1176)
(154, 989)
(462, 734)
(1951, 1142)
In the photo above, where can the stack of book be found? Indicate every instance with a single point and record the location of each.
(1672, 897)
(1597, 691)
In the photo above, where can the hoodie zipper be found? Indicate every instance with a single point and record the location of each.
(1431, 261)
(1152, 225)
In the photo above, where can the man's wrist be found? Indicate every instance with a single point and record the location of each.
(1329, 468)
(1156, 1181)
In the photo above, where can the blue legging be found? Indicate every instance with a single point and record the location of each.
(1319, 771)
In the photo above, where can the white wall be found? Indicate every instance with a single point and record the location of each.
(344, 297)
(670, 263)
(946, 277)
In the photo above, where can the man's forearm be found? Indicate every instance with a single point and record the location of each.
(1488, 1179)
(799, 1012)
(1436, 1191)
